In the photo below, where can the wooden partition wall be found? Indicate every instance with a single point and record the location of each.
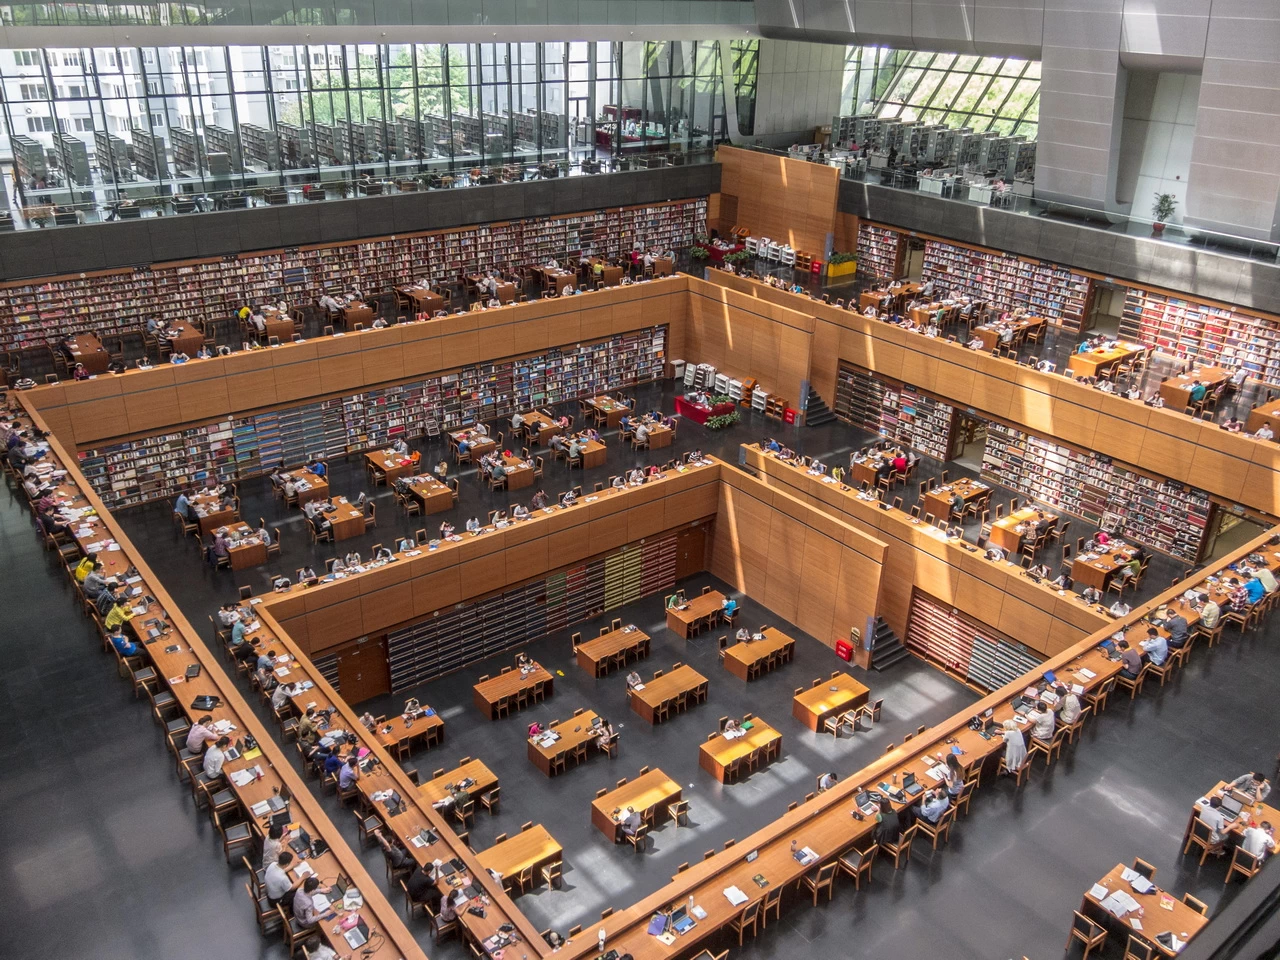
(997, 594)
(788, 201)
(143, 402)
(1236, 468)
(815, 570)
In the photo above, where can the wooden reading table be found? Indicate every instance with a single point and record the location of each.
(424, 300)
(480, 443)
(1251, 815)
(745, 655)
(695, 609)
(1268, 413)
(404, 730)
(487, 693)
(435, 497)
(346, 518)
(390, 463)
(356, 312)
(574, 732)
(610, 410)
(1176, 391)
(529, 849)
(715, 756)
(433, 791)
(648, 795)
(660, 436)
(519, 473)
(246, 551)
(1092, 362)
(938, 500)
(990, 334)
(317, 486)
(840, 693)
(212, 511)
(1004, 532)
(184, 338)
(683, 679)
(597, 656)
(1173, 917)
(539, 428)
(1096, 572)
(87, 349)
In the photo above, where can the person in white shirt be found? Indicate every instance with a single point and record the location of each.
(276, 879)
(1264, 432)
(1258, 840)
(517, 420)
(1041, 720)
(1068, 705)
(280, 696)
(1212, 817)
(520, 512)
(329, 304)
(1119, 609)
(215, 756)
(641, 432)
(400, 446)
(827, 781)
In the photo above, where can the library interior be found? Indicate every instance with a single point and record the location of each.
(887, 394)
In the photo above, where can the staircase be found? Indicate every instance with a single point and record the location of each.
(886, 648)
(816, 411)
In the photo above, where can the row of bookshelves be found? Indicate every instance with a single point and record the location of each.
(879, 252)
(1007, 281)
(120, 302)
(1199, 332)
(449, 640)
(135, 471)
(894, 410)
(965, 647)
(1164, 514)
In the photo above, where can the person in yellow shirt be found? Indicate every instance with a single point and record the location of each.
(84, 569)
(119, 613)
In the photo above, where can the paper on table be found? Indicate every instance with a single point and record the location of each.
(1087, 673)
(1137, 924)
(1098, 892)
(735, 896)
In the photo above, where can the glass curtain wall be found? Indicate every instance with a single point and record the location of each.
(86, 125)
(996, 94)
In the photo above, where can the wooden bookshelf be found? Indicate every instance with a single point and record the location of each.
(148, 468)
(894, 410)
(463, 634)
(115, 302)
(1169, 516)
(965, 647)
(879, 252)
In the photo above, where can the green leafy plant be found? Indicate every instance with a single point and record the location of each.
(740, 257)
(719, 398)
(722, 421)
(842, 258)
(698, 253)
(1164, 206)
(700, 239)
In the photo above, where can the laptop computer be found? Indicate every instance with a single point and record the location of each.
(1231, 806)
(301, 843)
(357, 936)
(864, 803)
(1020, 706)
(681, 922)
(910, 787)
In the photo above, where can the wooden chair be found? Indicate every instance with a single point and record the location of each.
(1199, 906)
(637, 839)
(1199, 834)
(1139, 949)
(1147, 870)
(939, 830)
(1091, 934)
(901, 851)
(1243, 862)
(824, 878)
(551, 873)
(856, 864)
(749, 917)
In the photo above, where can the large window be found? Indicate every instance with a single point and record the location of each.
(997, 94)
(157, 122)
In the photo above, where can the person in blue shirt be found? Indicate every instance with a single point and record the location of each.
(124, 646)
(182, 506)
(1155, 647)
(935, 805)
(773, 446)
(333, 763)
(1198, 391)
(318, 468)
(729, 607)
(463, 446)
(1254, 587)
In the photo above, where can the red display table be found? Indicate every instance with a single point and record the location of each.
(699, 413)
(716, 255)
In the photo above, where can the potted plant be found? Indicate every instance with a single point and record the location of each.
(698, 253)
(1162, 210)
(841, 264)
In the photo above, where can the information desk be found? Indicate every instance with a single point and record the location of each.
(717, 755)
(212, 512)
(184, 338)
(529, 849)
(1268, 413)
(1161, 912)
(840, 693)
(346, 518)
(1097, 571)
(574, 733)
(748, 655)
(699, 413)
(435, 790)
(1176, 391)
(539, 428)
(649, 795)
(87, 349)
(1093, 362)
(1005, 533)
(435, 497)
(938, 500)
(703, 605)
(666, 688)
(317, 487)
(488, 693)
(597, 656)
(608, 410)
(246, 551)
(391, 463)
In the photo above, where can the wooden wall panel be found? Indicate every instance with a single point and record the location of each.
(787, 200)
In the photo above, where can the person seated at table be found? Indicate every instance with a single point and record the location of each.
(318, 467)
(559, 443)
(568, 498)
(1219, 824)
(498, 470)
(80, 372)
(1155, 400)
(1062, 581)
(995, 554)
(935, 804)
(619, 482)
(446, 530)
(383, 553)
(1130, 659)
(975, 343)
(1119, 609)
(633, 680)
(1253, 586)
(400, 446)
(220, 548)
(473, 525)
(604, 733)
(538, 501)
(889, 825)
(1041, 719)
(1039, 570)
(827, 781)
(1258, 841)
(641, 432)
(1105, 386)
(304, 908)
(630, 821)
(932, 330)
(1091, 595)
(731, 726)
(1197, 392)
(1232, 425)
(519, 512)
(1253, 785)
(124, 646)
